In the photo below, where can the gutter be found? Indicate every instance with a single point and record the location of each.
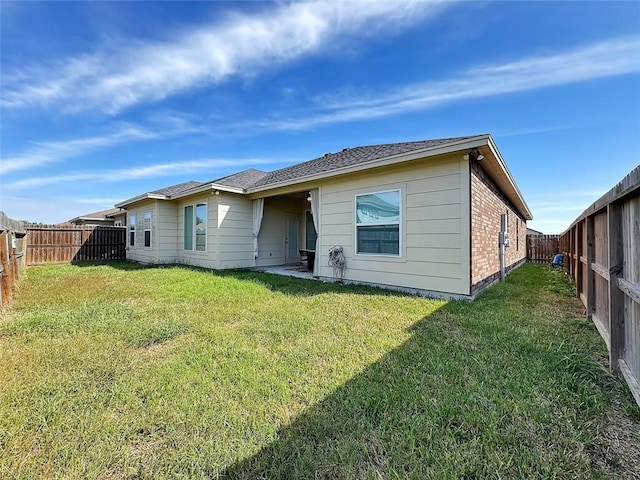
(139, 198)
(207, 187)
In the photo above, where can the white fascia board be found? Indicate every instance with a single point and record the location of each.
(503, 166)
(382, 162)
(113, 215)
(208, 187)
(139, 198)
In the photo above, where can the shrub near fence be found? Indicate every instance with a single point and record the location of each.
(74, 244)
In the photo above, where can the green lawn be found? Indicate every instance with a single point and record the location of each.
(119, 371)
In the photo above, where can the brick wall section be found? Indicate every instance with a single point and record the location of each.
(487, 204)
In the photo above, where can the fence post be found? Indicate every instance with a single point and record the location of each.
(616, 296)
(574, 253)
(579, 254)
(4, 264)
(591, 280)
(14, 264)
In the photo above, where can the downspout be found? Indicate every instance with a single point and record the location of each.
(503, 241)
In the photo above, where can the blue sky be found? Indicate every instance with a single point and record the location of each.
(102, 101)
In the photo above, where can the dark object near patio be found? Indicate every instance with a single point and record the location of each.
(307, 259)
(557, 260)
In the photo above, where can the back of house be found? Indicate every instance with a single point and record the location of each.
(436, 217)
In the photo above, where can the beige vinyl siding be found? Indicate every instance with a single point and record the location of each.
(167, 234)
(140, 253)
(235, 230)
(271, 246)
(434, 238)
(208, 258)
(121, 218)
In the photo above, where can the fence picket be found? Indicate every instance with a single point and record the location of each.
(73, 244)
(542, 248)
(609, 276)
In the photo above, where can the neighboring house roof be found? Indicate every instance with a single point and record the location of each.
(351, 160)
(165, 193)
(531, 231)
(100, 216)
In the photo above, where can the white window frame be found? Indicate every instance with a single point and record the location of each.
(132, 229)
(184, 227)
(194, 242)
(147, 218)
(373, 224)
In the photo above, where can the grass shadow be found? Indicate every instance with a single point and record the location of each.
(115, 264)
(287, 285)
(301, 287)
(474, 393)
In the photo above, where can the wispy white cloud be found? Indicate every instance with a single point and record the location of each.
(604, 59)
(51, 209)
(550, 225)
(190, 166)
(143, 172)
(552, 207)
(575, 201)
(160, 126)
(582, 193)
(241, 45)
(43, 153)
(98, 201)
(536, 130)
(30, 210)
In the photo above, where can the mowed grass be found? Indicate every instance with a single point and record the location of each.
(119, 371)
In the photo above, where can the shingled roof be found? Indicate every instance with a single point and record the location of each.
(176, 189)
(252, 180)
(101, 215)
(244, 179)
(349, 157)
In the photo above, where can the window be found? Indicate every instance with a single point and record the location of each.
(188, 227)
(132, 230)
(147, 229)
(378, 223)
(201, 227)
(195, 227)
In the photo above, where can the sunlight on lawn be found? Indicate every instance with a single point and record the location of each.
(115, 371)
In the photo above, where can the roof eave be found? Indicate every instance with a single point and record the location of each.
(113, 215)
(524, 208)
(139, 198)
(478, 141)
(207, 187)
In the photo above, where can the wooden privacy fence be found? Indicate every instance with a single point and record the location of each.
(74, 244)
(602, 255)
(12, 241)
(542, 248)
